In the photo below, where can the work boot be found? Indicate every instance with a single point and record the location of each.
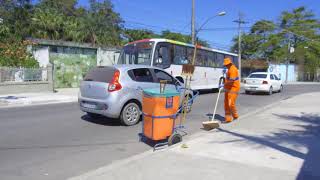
(235, 117)
(227, 119)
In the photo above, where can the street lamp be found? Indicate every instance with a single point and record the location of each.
(222, 13)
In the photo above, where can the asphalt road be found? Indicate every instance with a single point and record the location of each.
(59, 141)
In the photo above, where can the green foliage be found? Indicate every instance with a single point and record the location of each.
(176, 36)
(15, 54)
(71, 68)
(137, 34)
(182, 38)
(271, 40)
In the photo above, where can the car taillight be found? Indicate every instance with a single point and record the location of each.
(264, 82)
(115, 85)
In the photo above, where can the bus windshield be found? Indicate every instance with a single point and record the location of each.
(139, 53)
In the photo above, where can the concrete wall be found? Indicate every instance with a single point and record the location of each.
(107, 57)
(281, 69)
(42, 56)
(28, 87)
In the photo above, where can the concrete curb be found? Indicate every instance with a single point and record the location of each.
(302, 83)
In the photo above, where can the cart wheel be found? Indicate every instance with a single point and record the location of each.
(174, 139)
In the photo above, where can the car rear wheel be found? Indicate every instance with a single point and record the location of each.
(247, 92)
(281, 88)
(130, 114)
(270, 91)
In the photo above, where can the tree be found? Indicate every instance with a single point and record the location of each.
(138, 34)
(16, 17)
(102, 24)
(62, 20)
(249, 45)
(48, 23)
(269, 40)
(182, 38)
(15, 54)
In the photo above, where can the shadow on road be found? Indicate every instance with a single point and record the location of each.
(307, 136)
(216, 117)
(102, 120)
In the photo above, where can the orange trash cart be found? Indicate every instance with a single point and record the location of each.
(159, 114)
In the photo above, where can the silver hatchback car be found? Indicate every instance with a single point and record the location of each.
(116, 91)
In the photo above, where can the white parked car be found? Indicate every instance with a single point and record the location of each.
(262, 82)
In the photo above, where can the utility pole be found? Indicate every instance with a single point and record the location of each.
(239, 21)
(193, 31)
(287, 62)
(290, 50)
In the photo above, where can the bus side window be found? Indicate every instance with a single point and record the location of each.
(205, 58)
(179, 56)
(201, 58)
(219, 60)
(190, 54)
(162, 55)
(212, 59)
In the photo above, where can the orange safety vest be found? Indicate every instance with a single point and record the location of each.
(232, 81)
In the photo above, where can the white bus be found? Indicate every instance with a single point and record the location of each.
(171, 55)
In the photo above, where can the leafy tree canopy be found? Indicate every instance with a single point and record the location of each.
(271, 40)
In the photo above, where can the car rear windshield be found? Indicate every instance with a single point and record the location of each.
(100, 74)
(260, 76)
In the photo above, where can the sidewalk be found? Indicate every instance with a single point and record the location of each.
(301, 83)
(280, 142)
(25, 99)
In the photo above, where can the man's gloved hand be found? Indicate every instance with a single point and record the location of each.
(224, 71)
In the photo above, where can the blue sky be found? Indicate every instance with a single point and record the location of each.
(175, 15)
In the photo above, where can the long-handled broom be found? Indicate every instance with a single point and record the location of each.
(211, 124)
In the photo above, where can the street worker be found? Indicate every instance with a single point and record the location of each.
(232, 88)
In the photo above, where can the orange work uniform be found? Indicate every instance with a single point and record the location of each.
(232, 88)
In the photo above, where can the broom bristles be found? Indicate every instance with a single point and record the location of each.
(208, 125)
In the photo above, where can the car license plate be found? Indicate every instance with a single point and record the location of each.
(253, 87)
(90, 106)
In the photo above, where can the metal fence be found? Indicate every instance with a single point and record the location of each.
(10, 74)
